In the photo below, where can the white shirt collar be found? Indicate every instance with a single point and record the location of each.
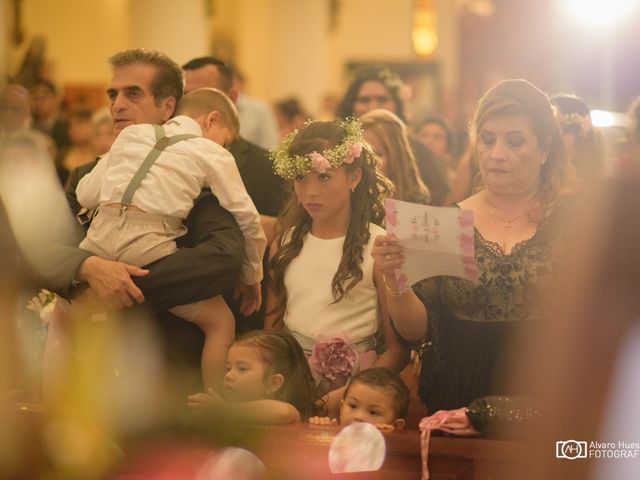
(188, 124)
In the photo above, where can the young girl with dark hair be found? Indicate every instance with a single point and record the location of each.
(267, 381)
(324, 289)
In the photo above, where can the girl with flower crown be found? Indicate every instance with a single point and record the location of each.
(323, 287)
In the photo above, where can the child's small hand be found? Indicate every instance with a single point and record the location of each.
(322, 421)
(251, 298)
(204, 401)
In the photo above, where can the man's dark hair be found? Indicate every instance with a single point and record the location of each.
(388, 380)
(225, 70)
(167, 82)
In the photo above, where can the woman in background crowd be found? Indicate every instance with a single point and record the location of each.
(436, 134)
(378, 87)
(388, 136)
(290, 115)
(580, 138)
(102, 131)
(81, 150)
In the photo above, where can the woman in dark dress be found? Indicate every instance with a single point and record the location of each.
(521, 218)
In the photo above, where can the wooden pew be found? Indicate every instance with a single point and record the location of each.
(303, 450)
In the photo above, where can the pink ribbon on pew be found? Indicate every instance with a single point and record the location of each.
(454, 422)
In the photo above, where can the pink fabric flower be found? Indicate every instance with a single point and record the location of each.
(333, 359)
(353, 152)
(454, 422)
(319, 163)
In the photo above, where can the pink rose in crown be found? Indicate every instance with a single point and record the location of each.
(319, 163)
(353, 152)
(333, 360)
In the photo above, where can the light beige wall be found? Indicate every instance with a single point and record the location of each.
(283, 49)
(179, 28)
(283, 46)
(286, 47)
(80, 35)
(254, 49)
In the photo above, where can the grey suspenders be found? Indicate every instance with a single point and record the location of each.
(162, 142)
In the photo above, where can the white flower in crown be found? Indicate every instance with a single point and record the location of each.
(43, 304)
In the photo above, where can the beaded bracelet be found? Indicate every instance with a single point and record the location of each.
(389, 291)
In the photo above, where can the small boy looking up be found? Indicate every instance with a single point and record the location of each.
(377, 396)
(146, 185)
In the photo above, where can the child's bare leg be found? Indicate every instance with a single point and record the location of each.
(55, 356)
(215, 319)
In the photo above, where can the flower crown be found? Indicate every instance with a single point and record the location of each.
(390, 79)
(570, 119)
(290, 166)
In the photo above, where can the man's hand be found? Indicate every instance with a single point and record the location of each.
(251, 298)
(111, 281)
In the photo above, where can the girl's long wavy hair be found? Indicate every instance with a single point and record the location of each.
(283, 355)
(514, 97)
(294, 223)
(401, 165)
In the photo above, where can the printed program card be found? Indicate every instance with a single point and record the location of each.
(437, 241)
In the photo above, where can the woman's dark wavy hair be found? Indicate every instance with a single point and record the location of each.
(389, 80)
(367, 206)
(283, 355)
